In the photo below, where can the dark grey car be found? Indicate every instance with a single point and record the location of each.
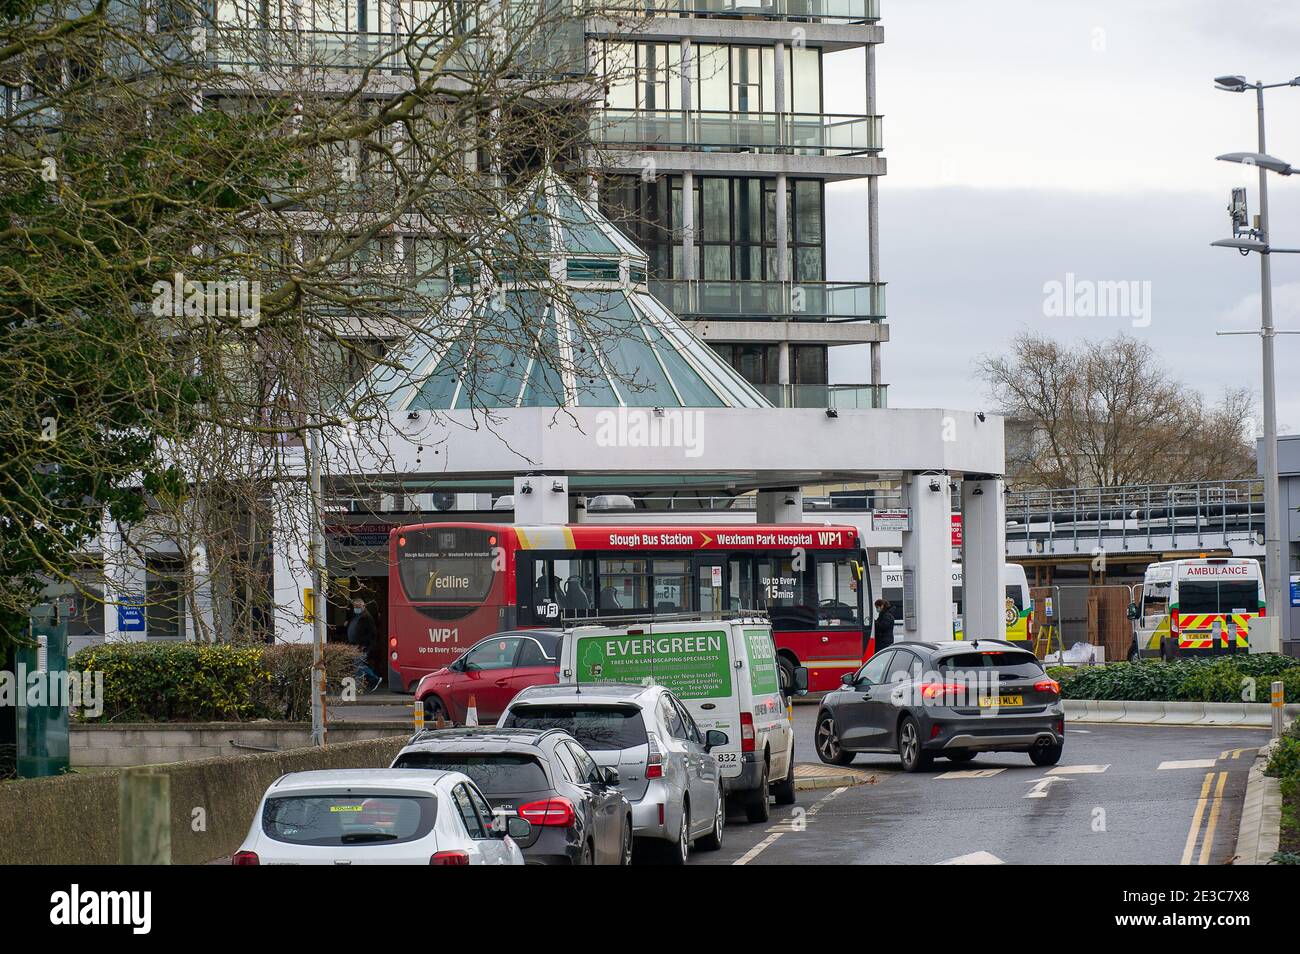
(578, 812)
(950, 699)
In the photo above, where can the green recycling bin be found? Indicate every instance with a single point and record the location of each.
(42, 671)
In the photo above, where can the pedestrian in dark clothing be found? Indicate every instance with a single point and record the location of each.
(884, 628)
(362, 633)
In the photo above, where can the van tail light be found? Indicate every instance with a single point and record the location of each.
(747, 732)
(245, 858)
(552, 812)
(654, 762)
(450, 858)
(1048, 685)
(1174, 625)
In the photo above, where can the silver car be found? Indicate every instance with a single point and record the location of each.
(649, 737)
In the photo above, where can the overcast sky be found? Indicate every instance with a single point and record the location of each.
(1028, 140)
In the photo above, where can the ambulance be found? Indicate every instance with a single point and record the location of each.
(1196, 607)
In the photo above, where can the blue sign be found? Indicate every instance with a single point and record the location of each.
(1295, 592)
(130, 614)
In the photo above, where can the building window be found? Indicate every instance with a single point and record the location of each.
(164, 602)
(758, 364)
(735, 219)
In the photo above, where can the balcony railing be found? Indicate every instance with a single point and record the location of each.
(845, 397)
(558, 50)
(838, 11)
(812, 134)
(775, 301)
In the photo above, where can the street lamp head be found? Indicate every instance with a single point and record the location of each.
(1261, 159)
(1231, 84)
(1240, 244)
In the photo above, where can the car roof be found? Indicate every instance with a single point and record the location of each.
(594, 692)
(480, 739)
(948, 646)
(387, 779)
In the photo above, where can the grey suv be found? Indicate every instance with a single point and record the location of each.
(661, 756)
(950, 699)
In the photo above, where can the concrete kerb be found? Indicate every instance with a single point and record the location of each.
(810, 776)
(1259, 833)
(1248, 714)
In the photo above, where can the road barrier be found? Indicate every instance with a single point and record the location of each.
(74, 819)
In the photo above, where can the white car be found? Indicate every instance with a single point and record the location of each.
(379, 817)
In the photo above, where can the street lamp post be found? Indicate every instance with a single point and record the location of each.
(1275, 563)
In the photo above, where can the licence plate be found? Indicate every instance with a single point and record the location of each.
(988, 702)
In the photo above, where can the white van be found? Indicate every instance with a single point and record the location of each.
(725, 671)
(1018, 607)
(1197, 607)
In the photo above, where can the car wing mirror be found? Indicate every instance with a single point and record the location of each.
(609, 775)
(848, 679)
(800, 680)
(715, 738)
(520, 829)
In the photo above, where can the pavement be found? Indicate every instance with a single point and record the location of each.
(1122, 794)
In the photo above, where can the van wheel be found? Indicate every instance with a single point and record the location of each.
(756, 807)
(1133, 654)
(783, 791)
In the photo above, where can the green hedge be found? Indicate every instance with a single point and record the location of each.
(195, 682)
(1187, 680)
(1284, 765)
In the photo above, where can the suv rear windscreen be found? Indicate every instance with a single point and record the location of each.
(495, 773)
(598, 728)
(348, 819)
(1011, 664)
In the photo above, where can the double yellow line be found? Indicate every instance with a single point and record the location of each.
(1211, 818)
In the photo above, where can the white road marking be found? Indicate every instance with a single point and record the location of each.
(1185, 764)
(974, 858)
(971, 773)
(778, 830)
(1080, 731)
(1078, 769)
(758, 849)
(1042, 785)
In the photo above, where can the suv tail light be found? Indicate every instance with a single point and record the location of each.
(450, 858)
(747, 732)
(245, 858)
(654, 762)
(1048, 685)
(555, 812)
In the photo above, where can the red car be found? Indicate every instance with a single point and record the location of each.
(493, 670)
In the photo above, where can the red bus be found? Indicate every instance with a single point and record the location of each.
(451, 584)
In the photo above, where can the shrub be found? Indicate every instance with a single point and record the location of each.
(198, 682)
(287, 695)
(1219, 679)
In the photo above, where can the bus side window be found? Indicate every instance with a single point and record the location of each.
(740, 584)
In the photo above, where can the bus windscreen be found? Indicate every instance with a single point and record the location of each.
(446, 565)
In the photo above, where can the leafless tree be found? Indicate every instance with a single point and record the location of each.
(1107, 414)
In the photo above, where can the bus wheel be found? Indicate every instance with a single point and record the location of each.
(786, 673)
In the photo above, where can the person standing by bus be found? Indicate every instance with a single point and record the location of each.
(362, 633)
(883, 630)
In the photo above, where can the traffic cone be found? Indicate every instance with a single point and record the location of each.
(471, 712)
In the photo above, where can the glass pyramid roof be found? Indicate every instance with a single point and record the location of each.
(606, 342)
